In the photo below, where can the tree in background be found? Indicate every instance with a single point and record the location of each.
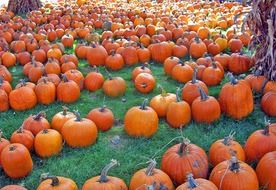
(23, 6)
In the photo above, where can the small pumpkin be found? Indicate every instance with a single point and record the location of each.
(256, 81)
(24, 137)
(102, 117)
(60, 118)
(197, 48)
(3, 143)
(56, 182)
(94, 80)
(114, 61)
(4, 101)
(22, 98)
(182, 72)
(144, 82)
(141, 69)
(114, 86)
(169, 64)
(79, 132)
(68, 91)
(212, 75)
(268, 103)
(104, 181)
(36, 123)
(139, 116)
(45, 92)
(150, 175)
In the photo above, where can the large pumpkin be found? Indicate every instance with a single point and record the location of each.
(96, 55)
(174, 161)
(139, 116)
(160, 51)
(57, 183)
(268, 103)
(22, 98)
(149, 175)
(266, 171)
(224, 173)
(223, 149)
(16, 161)
(79, 132)
(259, 143)
(182, 72)
(197, 184)
(236, 99)
(68, 91)
(104, 181)
(93, 81)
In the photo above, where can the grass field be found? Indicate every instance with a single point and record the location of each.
(132, 153)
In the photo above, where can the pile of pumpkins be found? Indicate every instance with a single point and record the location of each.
(184, 165)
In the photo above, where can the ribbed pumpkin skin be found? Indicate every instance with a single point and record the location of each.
(13, 187)
(113, 183)
(268, 103)
(266, 171)
(203, 184)
(64, 184)
(194, 161)
(226, 179)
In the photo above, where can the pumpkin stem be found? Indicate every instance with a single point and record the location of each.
(144, 65)
(258, 72)
(64, 78)
(203, 95)
(227, 140)
(163, 91)
(267, 124)
(19, 130)
(55, 180)
(151, 167)
(45, 131)
(178, 99)
(183, 149)
(108, 74)
(65, 109)
(12, 148)
(102, 109)
(77, 114)
(144, 104)
(162, 187)
(234, 164)
(103, 177)
(233, 80)
(194, 76)
(191, 181)
(1, 135)
(39, 116)
(214, 65)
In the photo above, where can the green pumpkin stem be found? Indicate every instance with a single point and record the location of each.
(103, 177)
(64, 111)
(234, 164)
(163, 91)
(178, 99)
(202, 93)
(191, 181)
(55, 180)
(150, 169)
(183, 149)
(19, 130)
(144, 104)
(194, 76)
(77, 114)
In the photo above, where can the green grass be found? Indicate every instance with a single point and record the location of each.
(132, 153)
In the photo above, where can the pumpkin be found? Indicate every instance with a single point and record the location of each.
(5, 73)
(223, 149)
(47, 142)
(102, 117)
(114, 86)
(138, 116)
(22, 98)
(67, 40)
(213, 48)
(75, 75)
(161, 102)
(235, 45)
(239, 63)
(52, 67)
(8, 59)
(4, 101)
(5, 85)
(169, 64)
(266, 172)
(269, 86)
(33, 63)
(175, 159)
(141, 69)
(197, 184)
(35, 73)
(23, 136)
(45, 92)
(205, 109)
(3, 143)
(69, 65)
(150, 175)
(223, 59)
(60, 118)
(39, 55)
(56, 182)
(79, 132)
(13, 187)
(190, 90)
(178, 113)
(182, 72)
(54, 53)
(114, 61)
(212, 75)
(197, 48)
(160, 51)
(130, 56)
(256, 81)
(104, 181)
(224, 173)
(36, 123)
(94, 80)
(96, 55)
(16, 161)
(143, 54)
(144, 82)
(68, 91)
(236, 99)
(179, 51)
(259, 143)
(268, 103)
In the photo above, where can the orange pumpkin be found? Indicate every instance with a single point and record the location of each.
(102, 117)
(144, 82)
